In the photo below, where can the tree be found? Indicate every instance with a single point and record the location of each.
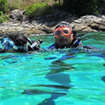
(3, 5)
(81, 7)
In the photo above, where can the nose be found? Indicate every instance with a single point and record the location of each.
(62, 35)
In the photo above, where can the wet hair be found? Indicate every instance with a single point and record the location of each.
(19, 39)
(63, 23)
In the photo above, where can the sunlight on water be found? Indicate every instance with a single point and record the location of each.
(60, 77)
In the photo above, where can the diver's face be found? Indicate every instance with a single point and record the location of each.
(63, 36)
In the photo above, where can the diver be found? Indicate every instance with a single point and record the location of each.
(18, 43)
(66, 37)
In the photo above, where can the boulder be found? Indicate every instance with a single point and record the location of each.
(89, 23)
(46, 29)
(17, 15)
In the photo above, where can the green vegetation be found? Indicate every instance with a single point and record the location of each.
(3, 17)
(3, 9)
(36, 8)
(3, 5)
(23, 4)
(39, 9)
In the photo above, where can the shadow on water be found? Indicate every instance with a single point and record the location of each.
(103, 78)
(100, 54)
(50, 101)
(56, 75)
(36, 91)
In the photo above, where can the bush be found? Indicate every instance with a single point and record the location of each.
(3, 17)
(39, 9)
(13, 7)
(3, 5)
(16, 4)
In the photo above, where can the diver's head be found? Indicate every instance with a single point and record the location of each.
(63, 35)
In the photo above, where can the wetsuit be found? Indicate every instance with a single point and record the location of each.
(75, 43)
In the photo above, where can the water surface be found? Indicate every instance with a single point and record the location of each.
(60, 77)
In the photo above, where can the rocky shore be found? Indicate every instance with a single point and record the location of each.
(44, 25)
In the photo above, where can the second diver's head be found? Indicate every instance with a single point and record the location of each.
(63, 35)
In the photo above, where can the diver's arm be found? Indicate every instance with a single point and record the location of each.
(29, 41)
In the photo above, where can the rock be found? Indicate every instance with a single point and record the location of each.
(81, 27)
(17, 15)
(9, 27)
(78, 21)
(43, 25)
(94, 26)
(46, 29)
(89, 23)
(103, 17)
(88, 29)
(98, 26)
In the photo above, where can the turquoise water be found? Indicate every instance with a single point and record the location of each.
(63, 77)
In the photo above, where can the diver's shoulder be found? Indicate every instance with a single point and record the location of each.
(52, 46)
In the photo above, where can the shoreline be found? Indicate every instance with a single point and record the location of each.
(45, 25)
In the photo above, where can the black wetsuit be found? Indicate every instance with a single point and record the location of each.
(75, 43)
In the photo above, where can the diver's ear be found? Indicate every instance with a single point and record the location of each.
(72, 35)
